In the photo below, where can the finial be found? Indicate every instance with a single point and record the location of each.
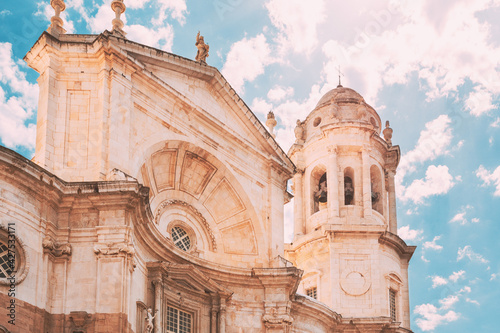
(299, 132)
(340, 74)
(271, 123)
(119, 8)
(388, 134)
(56, 22)
(203, 48)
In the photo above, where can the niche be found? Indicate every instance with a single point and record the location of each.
(376, 189)
(348, 186)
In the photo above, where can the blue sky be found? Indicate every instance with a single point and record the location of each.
(430, 67)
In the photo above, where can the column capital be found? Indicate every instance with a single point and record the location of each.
(333, 149)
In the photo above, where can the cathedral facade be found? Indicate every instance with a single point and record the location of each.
(154, 203)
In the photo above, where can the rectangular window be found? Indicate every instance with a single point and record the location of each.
(312, 292)
(392, 303)
(178, 321)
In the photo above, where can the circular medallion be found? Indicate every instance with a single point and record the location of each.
(354, 283)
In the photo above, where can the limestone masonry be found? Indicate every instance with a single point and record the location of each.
(153, 185)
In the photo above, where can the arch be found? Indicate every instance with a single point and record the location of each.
(349, 194)
(376, 189)
(189, 184)
(318, 187)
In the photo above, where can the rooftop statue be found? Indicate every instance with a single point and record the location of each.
(203, 48)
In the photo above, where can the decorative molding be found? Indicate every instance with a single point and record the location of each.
(172, 202)
(114, 249)
(273, 318)
(56, 249)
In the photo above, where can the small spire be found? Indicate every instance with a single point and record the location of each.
(56, 22)
(119, 8)
(340, 74)
(271, 123)
(388, 134)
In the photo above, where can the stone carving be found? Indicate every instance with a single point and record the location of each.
(203, 48)
(197, 214)
(149, 321)
(271, 123)
(299, 132)
(355, 283)
(79, 320)
(388, 133)
(273, 318)
(56, 22)
(114, 248)
(56, 249)
(119, 8)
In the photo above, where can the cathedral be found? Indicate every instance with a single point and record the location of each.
(154, 203)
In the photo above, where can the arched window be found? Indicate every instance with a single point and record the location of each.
(181, 238)
(376, 189)
(349, 186)
(318, 188)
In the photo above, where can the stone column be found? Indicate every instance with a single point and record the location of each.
(332, 183)
(158, 295)
(367, 188)
(213, 323)
(393, 220)
(222, 316)
(298, 197)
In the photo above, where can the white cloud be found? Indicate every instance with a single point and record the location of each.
(17, 109)
(443, 52)
(246, 60)
(493, 276)
(437, 181)
(5, 12)
(297, 21)
(408, 234)
(465, 289)
(455, 276)
(468, 300)
(467, 251)
(490, 178)
(448, 302)
(162, 38)
(431, 316)
(480, 101)
(278, 93)
(496, 123)
(103, 18)
(461, 216)
(432, 244)
(438, 281)
(434, 141)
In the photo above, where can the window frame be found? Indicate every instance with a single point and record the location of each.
(178, 319)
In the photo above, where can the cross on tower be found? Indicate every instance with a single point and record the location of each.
(340, 74)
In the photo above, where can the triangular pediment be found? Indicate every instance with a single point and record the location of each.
(187, 277)
(201, 89)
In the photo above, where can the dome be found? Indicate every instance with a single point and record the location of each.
(340, 95)
(342, 105)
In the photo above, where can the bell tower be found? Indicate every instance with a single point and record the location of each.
(345, 227)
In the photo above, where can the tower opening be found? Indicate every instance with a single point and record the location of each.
(319, 189)
(376, 189)
(349, 186)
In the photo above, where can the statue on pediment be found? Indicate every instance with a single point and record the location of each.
(203, 48)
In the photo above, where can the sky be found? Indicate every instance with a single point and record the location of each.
(430, 67)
